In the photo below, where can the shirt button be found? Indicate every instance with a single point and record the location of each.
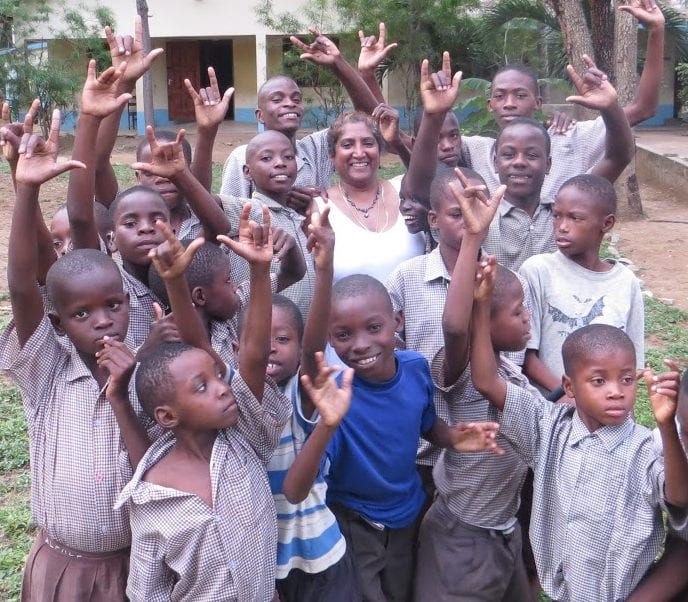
(99, 477)
(532, 227)
(96, 422)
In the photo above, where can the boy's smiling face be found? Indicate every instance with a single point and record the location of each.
(90, 307)
(604, 387)
(280, 106)
(522, 161)
(362, 332)
(285, 346)
(271, 164)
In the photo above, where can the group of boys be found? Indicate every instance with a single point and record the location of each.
(188, 440)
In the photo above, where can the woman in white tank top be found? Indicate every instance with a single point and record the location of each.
(371, 235)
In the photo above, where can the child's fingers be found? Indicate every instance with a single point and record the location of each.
(212, 80)
(30, 116)
(157, 310)
(424, 72)
(152, 140)
(499, 194)
(576, 79)
(195, 96)
(227, 96)
(382, 34)
(6, 119)
(181, 134)
(138, 166)
(266, 216)
(446, 65)
(61, 168)
(91, 70)
(299, 44)
(589, 63)
(456, 80)
(347, 380)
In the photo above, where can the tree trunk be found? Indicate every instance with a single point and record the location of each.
(148, 109)
(626, 81)
(577, 39)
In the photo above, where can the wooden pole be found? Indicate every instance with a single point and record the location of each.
(148, 109)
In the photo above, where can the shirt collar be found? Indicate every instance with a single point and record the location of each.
(505, 207)
(611, 436)
(434, 266)
(266, 200)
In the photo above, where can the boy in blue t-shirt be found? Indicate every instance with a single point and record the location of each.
(373, 485)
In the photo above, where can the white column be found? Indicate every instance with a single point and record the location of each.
(261, 63)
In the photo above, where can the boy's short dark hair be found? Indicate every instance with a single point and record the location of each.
(439, 187)
(526, 121)
(525, 70)
(209, 258)
(506, 283)
(287, 304)
(165, 136)
(255, 142)
(360, 285)
(75, 263)
(123, 194)
(335, 131)
(153, 377)
(269, 81)
(593, 339)
(598, 188)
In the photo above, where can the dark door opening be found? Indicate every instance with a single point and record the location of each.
(218, 54)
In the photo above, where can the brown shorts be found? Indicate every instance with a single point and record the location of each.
(58, 573)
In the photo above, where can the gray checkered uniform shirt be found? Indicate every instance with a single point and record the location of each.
(514, 236)
(313, 165)
(575, 152)
(190, 228)
(184, 550)
(596, 525)
(418, 287)
(141, 310)
(482, 489)
(290, 221)
(78, 462)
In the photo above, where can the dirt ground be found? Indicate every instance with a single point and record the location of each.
(656, 244)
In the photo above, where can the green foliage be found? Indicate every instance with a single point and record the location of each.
(682, 75)
(50, 63)
(13, 440)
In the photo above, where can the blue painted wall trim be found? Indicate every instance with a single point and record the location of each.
(664, 113)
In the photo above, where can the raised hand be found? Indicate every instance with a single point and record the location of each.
(210, 107)
(439, 91)
(387, 121)
(646, 11)
(560, 123)
(331, 401)
(38, 157)
(476, 208)
(254, 242)
(100, 96)
(321, 239)
(167, 158)
(130, 50)
(300, 198)
(663, 390)
(322, 51)
(593, 87)
(373, 50)
(476, 437)
(119, 361)
(171, 258)
(485, 279)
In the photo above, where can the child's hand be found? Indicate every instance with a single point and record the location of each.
(37, 157)
(170, 258)
(119, 361)
(485, 279)
(300, 198)
(210, 107)
(373, 50)
(331, 402)
(254, 242)
(322, 51)
(439, 91)
(130, 50)
(387, 121)
(163, 330)
(100, 96)
(476, 437)
(594, 89)
(167, 158)
(646, 11)
(282, 243)
(10, 134)
(663, 392)
(321, 239)
(477, 210)
(560, 123)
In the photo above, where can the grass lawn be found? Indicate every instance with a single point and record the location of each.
(666, 336)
